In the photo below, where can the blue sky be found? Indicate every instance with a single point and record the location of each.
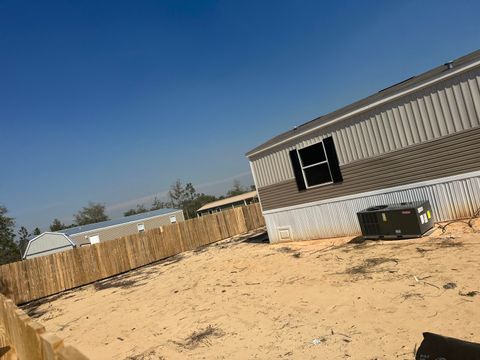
(111, 101)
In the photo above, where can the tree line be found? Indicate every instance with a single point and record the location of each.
(185, 197)
(180, 196)
(90, 214)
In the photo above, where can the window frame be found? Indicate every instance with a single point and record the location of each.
(307, 186)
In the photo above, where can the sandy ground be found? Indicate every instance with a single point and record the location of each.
(325, 299)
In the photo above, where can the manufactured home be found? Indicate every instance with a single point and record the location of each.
(416, 140)
(50, 242)
(228, 203)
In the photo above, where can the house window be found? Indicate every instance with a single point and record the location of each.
(141, 227)
(316, 165)
(173, 219)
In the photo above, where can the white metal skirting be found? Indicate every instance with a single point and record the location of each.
(450, 200)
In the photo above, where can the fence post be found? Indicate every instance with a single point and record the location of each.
(50, 345)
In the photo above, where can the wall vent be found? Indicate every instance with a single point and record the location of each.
(284, 234)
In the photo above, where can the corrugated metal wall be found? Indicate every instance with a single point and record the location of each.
(449, 200)
(445, 108)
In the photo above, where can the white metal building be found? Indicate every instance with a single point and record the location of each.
(228, 203)
(90, 234)
(48, 243)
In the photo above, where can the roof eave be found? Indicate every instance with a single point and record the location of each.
(395, 91)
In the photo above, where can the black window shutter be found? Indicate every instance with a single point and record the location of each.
(297, 170)
(332, 159)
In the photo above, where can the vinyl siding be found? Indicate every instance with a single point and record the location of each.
(445, 108)
(118, 231)
(449, 155)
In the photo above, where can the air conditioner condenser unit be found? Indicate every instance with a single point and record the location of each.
(396, 221)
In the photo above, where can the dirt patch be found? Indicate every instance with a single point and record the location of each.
(116, 283)
(147, 355)
(200, 249)
(369, 264)
(470, 293)
(201, 337)
(412, 295)
(171, 260)
(439, 243)
(449, 243)
(259, 237)
(38, 308)
(285, 250)
(288, 250)
(254, 301)
(422, 251)
(449, 286)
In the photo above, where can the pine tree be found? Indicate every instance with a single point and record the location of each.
(237, 189)
(57, 225)
(177, 194)
(93, 213)
(9, 251)
(23, 236)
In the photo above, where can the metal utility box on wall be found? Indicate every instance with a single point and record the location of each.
(405, 220)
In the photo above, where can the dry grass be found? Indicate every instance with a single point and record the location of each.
(288, 250)
(449, 243)
(470, 293)
(449, 286)
(411, 295)
(285, 250)
(147, 355)
(369, 264)
(199, 337)
(115, 283)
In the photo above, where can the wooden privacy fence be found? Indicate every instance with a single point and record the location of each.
(31, 279)
(23, 338)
